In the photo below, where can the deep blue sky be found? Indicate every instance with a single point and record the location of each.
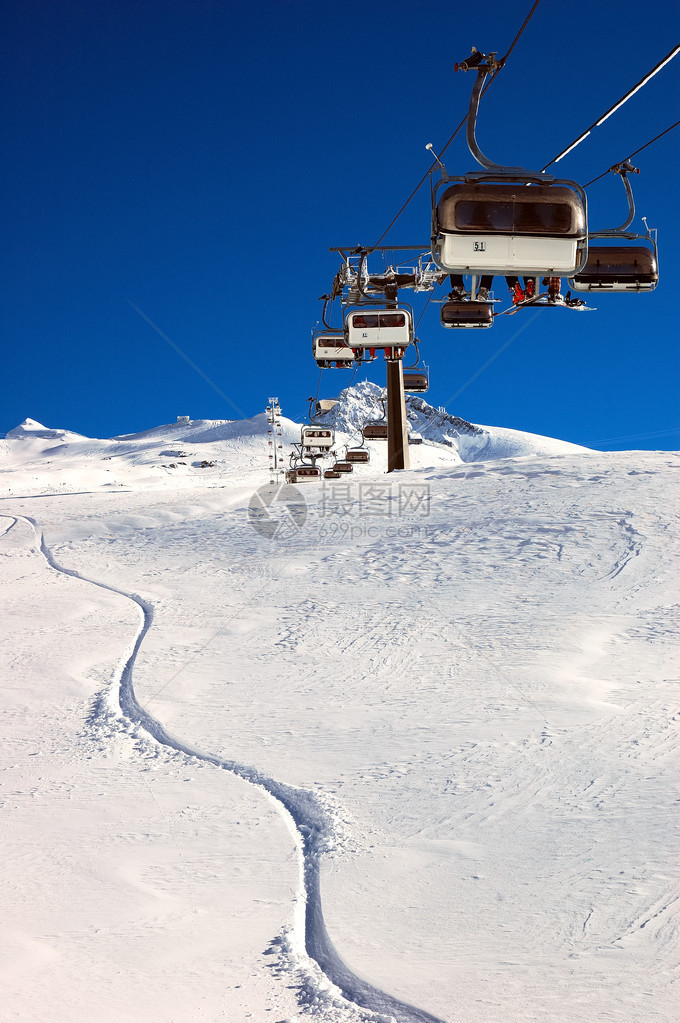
(198, 157)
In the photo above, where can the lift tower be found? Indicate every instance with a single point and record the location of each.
(397, 430)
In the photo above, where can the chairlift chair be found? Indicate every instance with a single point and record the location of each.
(375, 431)
(489, 227)
(342, 467)
(416, 377)
(332, 474)
(358, 455)
(621, 267)
(466, 314)
(330, 349)
(316, 438)
(371, 327)
(307, 472)
(617, 268)
(416, 381)
(505, 220)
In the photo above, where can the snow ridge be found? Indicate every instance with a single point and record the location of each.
(327, 985)
(436, 427)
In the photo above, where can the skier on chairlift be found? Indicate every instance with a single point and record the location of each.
(458, 291)
(519, 293)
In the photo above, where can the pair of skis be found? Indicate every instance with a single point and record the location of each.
(544, 300)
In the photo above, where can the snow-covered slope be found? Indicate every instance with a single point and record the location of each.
(419, 755)
(35, 458)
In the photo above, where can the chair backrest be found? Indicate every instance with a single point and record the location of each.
(466, 314)
(555, 210)
(620, 260)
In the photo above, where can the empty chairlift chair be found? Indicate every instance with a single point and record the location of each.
(361, 455)
(375, 431)
(618, 268)
(342, 467)
(466, 314)
(415, 381)
(303, 473)
(416, 377)
(618, 265)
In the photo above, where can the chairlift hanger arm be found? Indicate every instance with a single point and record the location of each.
(360, 270)
(428, 172)
(486, 65)
(326, 300)
(416, 364)
(623, 170)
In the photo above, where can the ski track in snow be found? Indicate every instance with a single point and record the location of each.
(304, 814)
(11, 525)
(634, 542)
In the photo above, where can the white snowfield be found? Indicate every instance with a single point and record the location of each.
(393, 748)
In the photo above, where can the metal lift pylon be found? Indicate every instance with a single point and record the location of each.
(397, 430)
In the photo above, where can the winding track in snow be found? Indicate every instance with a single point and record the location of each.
(301, 807)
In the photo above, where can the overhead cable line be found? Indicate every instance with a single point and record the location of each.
(514, 42)
(421, 182)
(643, 81)
(429, 297)
(660, 135)
(452, 137)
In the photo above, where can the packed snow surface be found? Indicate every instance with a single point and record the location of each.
(410, 753)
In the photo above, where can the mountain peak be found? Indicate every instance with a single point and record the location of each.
(365, 402)
(30, 428)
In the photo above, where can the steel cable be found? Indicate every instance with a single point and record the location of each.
(643, 81)
(660, 135)
(452, 137)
